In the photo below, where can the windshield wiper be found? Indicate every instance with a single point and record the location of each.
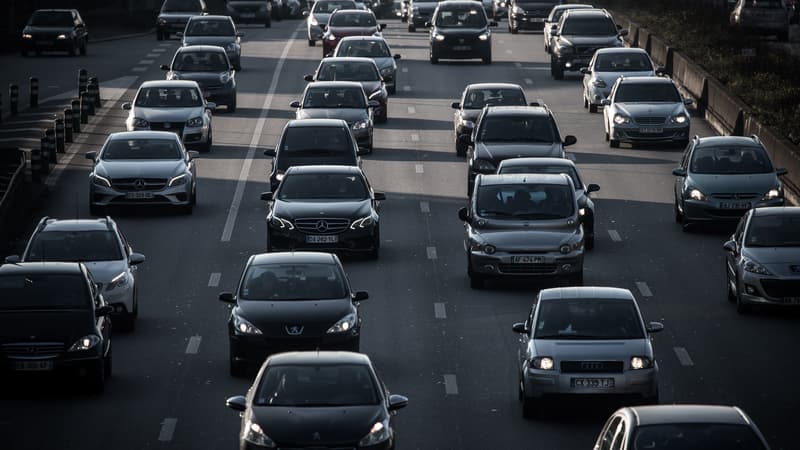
(496, 213)
(568, 336)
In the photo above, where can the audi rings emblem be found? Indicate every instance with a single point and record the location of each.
(592, 366)
(322, 226)
(139, 184)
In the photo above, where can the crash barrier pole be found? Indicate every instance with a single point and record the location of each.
(1, 108)
(36, 163)
(96, 83)
(13, 98)
(34, 92)
(89, 100)
(84, 108)
(59, 125)
(68, 124)
(50, 136)
(76, 115)
(82, 78)
(44, 165)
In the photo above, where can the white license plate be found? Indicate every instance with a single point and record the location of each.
(598, 383)
(138, 195)
(33, 365)
(248, 15)
(650, 130)
(324, 239)
(537, 19)
(527, 259)
(462, 48)
(791, 300)
(734, 205)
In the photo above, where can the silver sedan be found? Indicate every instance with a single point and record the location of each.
(606, 66)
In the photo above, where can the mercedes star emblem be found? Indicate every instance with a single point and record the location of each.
(322, 226)
(139, 184)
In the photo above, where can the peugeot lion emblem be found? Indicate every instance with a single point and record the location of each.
(322, 226)
(294, 330)
(139, 184)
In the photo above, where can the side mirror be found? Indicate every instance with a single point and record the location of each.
(126, 106)
(585, 71)
(266, 196)
(605, 102)
(236, 403)
(295, 104)
(463, 214)
(269, 152)
(688, 101)
(427, 24)
(360, 296)
(379, 196)
(211, 105)
(592, 187)
(179, 34)
(164, 66)
(362, 152)
(308, 77)
(519, 328)
(373, 104)
(780, 171)
(304, 13)
(622, 32)
(381, 26)
(678, 172)
(397, 402)
(91, 155)
(455, 105)
(492, 23)
(661, 71)
(731, 246)
(396, 56)
(569, 140)
(654, 327)
(13, 259)
(227, 297)
(103, 310)
(136, 258)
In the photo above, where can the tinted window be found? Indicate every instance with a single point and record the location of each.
(730, 160)
(774, 231)
(647, 93)
(292, 282)
(557, 13)
(461, 18)
(588, 319)
(478, 98)
(315, 142)
(334, 97)
(525, 201)
(210, 27)
(126, 149)
(43, 291)
(589, 27)
(348, 71)
(174, 97)
(317, 385)
(516, 129)
(181, 6)
(199, 61)
(52, 19)
(763, 4)
(622, 62)
(696, 435)
(74, 246)
(366, 49)
(329, 7)
(317, 186)
(352, 20)
(538, 168)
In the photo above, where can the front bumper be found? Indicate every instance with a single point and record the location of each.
(79, 363)
(191, 136)
(48, 43)
(419, 19)
(120, 299)
(109, 196)
(655, 133)
(363, 136)
(356, 241)
(502, 265)
(525, 22)
(712, 211)
(573, 62)
(474, 49)
(255, 349)
(768, 289)
(541, 383)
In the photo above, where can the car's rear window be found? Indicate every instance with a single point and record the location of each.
(347, 71)
(315, 385)
(210, 27)
(315, 145)
(647, 93)
(364, 49)
(588, 319)
(77, 246)
(498, 128)
(730, 160)
(145, 149)
(588, 26)
(296, 281)
(477, 98)
(528, 201)
(334, 97)
(696, 436)
(181, 6)
(43, 291)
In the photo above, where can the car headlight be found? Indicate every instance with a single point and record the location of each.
(380, 432)
(641, 362)
(467, 123)
(438, 37)
(255, 435)
(483, 165)
(697, 194)
(101, 180)
(361, 124)
(85, 343)
(195, 122)
(280, 223)
(27, 36)
(242, 326)
(119, 281)
(279, 176)
(599, 83)
(177, 180)
(620, 119)
(517, 10)
(313, 21)
(679, 119)
(61, 36)
(225, 77)
(484, 36)
(387, 71)
(776, 192)
(232, 47)
(331, 37)
(565, 48)
(138, 122)
(543, 363)
(362, 223)
(162, 21)
(346, 323)
(754, 267)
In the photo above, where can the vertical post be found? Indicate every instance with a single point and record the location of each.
(36, 163)
(13, 98)
(82, 78)
(1, 108)
(50, 137)
(84, 108)
(68, 124)
(94, 81)
(34, 92)
(89, 100)
(44, 157)
(59, 125)
(76, 115)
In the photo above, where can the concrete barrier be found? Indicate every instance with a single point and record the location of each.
(692, 78)
(633, 34)
(783, 154)
(724, 111)
(661, 53)
(644, 39)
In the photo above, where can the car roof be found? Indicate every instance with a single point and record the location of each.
(338, 123)
(169, 83)
(618, 50)
(493, 86)
(211, 16)
(777, 211)
(56, 10)
(536, 161)
(201, 48)
(585, 292)
(144, 134)
(292, 257)
(101, 224)
(646, 80)
(353, 11)
(574, 6)
(319, 358)
(460, 3)
(334, 59)
(712, 141)
(362, 38)
(664, 414)
(332, 168)
(517, 111)
(68, 268)
(517, 178)
(584, 13)
(335, 84)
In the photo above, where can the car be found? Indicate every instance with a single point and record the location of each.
(460, 30)
(291, 301)
(375, 48)
(287, 9)
(585, 341)
(680, 427)
(100, 245)
(503, 132)
(328, 208)
(317, 17)
(250, 11)
(607, 65)
(645, 110)
(560, 165)
(339, 100)
(721, 177)
(177, 106)
(54, 319)
(529, 14)
(400, 9)
(474, 98)
(55, 30)
(342, 401)
(209, 66)
(312, 142)
(142, 168)
(551, 21)
(349, 22)
(420, 12)
(580, 32)
(361, 70)
(499, 9)
(523, 226)
(174, 14)
(215, 30)
(762, 258)
(766, 17)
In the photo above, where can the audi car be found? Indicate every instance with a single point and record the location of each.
(474, 99)
(460, 30)
(361, 70)
(375, 48)
(209, 66)
(215, 30)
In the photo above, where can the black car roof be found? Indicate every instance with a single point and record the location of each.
(517, 178)
(319, 357)
(65, 268)
(337, 123)
(712, 141)
(777, 211)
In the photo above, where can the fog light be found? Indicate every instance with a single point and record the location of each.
(750, 289)
(566, 267)
(488, 267)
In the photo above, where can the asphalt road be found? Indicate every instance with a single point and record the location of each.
(450, 349)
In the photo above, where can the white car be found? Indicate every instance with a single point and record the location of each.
(607, 65)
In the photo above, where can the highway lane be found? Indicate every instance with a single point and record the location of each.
(449, 348)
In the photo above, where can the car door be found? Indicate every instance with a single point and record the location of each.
(587, 78)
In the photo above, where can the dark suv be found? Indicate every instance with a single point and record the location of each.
(579, 33)
(529, 14)
(503, 132)
(53, 318)
(460, 30)
(55, 29)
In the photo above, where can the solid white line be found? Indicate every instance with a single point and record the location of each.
(644, 289)
(230, 222)
(683, 356)
(528, 81)
(508, 51)
(139, 69)
(194, 345)
(167, 429)
(163, 44)
(407, 88)
(424, 207)
(414, 137)
(412, 110)
(615, 235)
(158, 50)
(450, 385)
(439, 310)
(213, 279)
(418, 168)
(405, 69)
(146, 61)
(431, 252)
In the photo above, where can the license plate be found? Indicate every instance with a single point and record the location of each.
(33, 365)
(462, 48)
(734, 205)
(138, 195)
(527, 259)
(44, 43)
(599, 383)
(325, 239)
(537, 19)
(650, 130)
(248, 15)
(791, 300)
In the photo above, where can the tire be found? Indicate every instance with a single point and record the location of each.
(461, 150)
(108, 364)
(207, 146)
(585, 103)
(166, 36)
(187, 209)
(312, 43)
(383, 118)
(83, 48)
(268, 22)
(487, 59)
(589, 241)
(232, 105)
(529, 409)
(411, 27)
(194, 196)
(731, 292)
(285, 13)
(476, 281)
(607, 137)
(613, 143)
(652, 400)
(556, 70)
(355, 346)
(592, 108)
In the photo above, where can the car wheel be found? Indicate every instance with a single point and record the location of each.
(312, 42)
(476, 281)
(38, 52)
(742, 307)
(159, 36)
(613, 143)
(83, 48)
(108, 364)
(731, 290)
(607, 136)
(651, 400)
(487, 59)
(232, 105)
(461, 149)
(529, 410)
(589, 242)
(166, 36)
(585, 103)
(556, 70)
(194, 195)
(411, 28)
(592, 108)
(384, 117)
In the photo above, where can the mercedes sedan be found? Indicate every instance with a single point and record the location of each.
(361, 70)
(375, 48)
(460, 30)
(209, 66)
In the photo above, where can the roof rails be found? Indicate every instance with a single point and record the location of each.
(755, 138)
(109, 223)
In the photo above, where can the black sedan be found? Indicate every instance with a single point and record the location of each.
(460, 30)
(55, 29)
(324, 208)
(291, 301)
(210, 67)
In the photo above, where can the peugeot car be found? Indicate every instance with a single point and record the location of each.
(361, 70)
(209, 66)
(606, 66)
(375, 48)
(460, 30)
(55, 30)
(474, 99)
(579, 33)
(215, 30)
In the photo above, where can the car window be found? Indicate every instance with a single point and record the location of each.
(496, 128)
(181, 6)
(529, 201)
(348, 71)
(588, 319)
(43, 291)
(622, 62)
(317, 385)
(323, 186)
(737, 235)
(365, 49)
(696, 435)
(329, 7)
(477, 98)
(588, 26)
(461, 18)
(619, 437)
(647, 93)
(730, 160)
(608, 433)
(200, 61)
(52, 19)
(352, 20)
(540, 168)
(210, 27)
(288, 282)
(90, 245)
(334, 97)
(763, 4)
(168, 97)
(128, 149)
(556, 13)
(780, 230)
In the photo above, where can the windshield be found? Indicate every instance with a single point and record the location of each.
(730, 160)
(364, 48)
(287, 282)
(478, 98)
(329, 7)
(51, 19)
(528, 201)
(348, 71)
(323, 186)
(696, 436)
(588, 319)
(589, 26)
(200, 61)
(77, 246)
(172, 97)
(461, 18)
(352, 20)
(537, 168)
(43, 291)
(516, 129)
(780, 230)
(181, 6)
(622, 62)
(335, 97)
(647, 93)
(149, 149)
(317, 386)
(210, 27)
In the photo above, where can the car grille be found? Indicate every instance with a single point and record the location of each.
(139, 184)
(586, 50)
(317, 225)
(781, 288)
(246, 8)
(650, 120)
(728, 196)
(175, 127)
(591, 366)
(534, 269)
(33, 349)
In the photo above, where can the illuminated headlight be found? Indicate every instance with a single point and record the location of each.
(438, 37)
(773, 193)
(177, 181)
(489, 249)
(118, 281)
(27, 36)
(697, 194)
(380, 432)
(138, 122)
(483, 36)
(483, 165)
(101, 181)
(517, 10)
(754, 267)
(679, 119)
(242, 326)
(225, 77)
(620, 119)
(195, 122)
(313, 21)
(361, 124)
(346, 323)
(362, 223)
(162, 21)
(255, 435)
(641, 362)
(599, 83)
(331, 37)
(85, 343)
(564, 249)
(502, 4)
(582, 211)
(543, 363)
(61, 36)
(280, 223)
(279, 176)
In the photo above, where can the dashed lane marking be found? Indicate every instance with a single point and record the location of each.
(152, 55)
(424, 207)
(683, 356)
(508, 50)
(418, 168)
(139, 69)
(146, 61)
(414, 137)
(412, 110)
(528, 81)
(406, 88)
(614, 234)
(439, 310)
(571, 157)
(450, 384)
(517, 64)
(158, 50)
(213, 279)
(404, 69)
(431, 251)
(644, 289)
(194, 345)
(167, 429)
(164, 44)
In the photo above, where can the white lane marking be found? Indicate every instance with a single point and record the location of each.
(230, 222)
(158, 50)
(146, 61)
(407, 88)
(644, 289)
(439, 310)
(424, 207)
(152, 55)
(139, 69)
(508, 50)
(404, 69)
(614, 234)
(418, 168)
(431, 251)
(450, 384)
(501, 41)
(167, 429)
(163, 44)
(213, 279)
(528, 81)
(194, 345)
(414, 137)
(412, 110)
(517, 64)
(683, 356)
(571, 157)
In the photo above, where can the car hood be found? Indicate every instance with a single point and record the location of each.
(312, 426)
(522, 239)
(384, 62)
(594, 350)
(778, 260)
(321, 209)
(756, 183)
(273, 317)
(611, 77)
(605, 41)
(65, 326)
(167, 114)
(471, 115)
(649, 109)
(202, 78)
(182, 16)
(503, 150)
(105, 271)
(349, 115)
(46, 30)
(140, 169)
(221, 41)
(322, 18)
(352, 31)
